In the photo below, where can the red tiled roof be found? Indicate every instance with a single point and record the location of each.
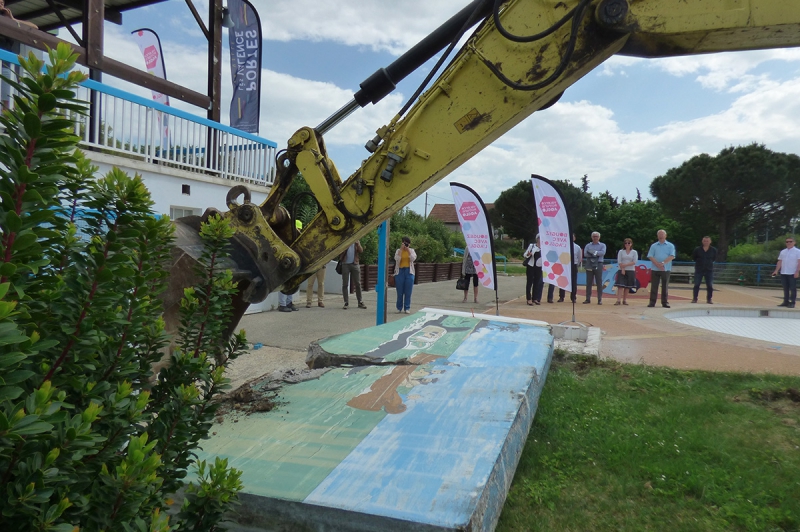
(446, 212)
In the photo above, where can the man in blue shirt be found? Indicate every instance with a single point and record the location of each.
(661, 254)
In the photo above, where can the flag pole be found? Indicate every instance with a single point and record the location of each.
(549, 215)
(478, 234)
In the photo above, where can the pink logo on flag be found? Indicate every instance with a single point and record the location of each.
(549, 206)
(469, 211)
(150, 57)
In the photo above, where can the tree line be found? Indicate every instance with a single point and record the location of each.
(739, 196)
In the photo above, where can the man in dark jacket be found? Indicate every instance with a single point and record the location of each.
(704, 257)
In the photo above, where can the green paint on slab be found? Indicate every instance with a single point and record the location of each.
(429, 333)
(287, 452)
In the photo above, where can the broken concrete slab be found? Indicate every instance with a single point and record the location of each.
(423, 434)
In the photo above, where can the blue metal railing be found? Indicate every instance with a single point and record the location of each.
(128, 125)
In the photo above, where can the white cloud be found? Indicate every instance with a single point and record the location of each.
(730, 70)
(564, 142)
(572, 139)
(377, 24)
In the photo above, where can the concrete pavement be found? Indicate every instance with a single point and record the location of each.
(632, 333)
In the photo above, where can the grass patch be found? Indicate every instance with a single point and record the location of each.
(631, 447)
(512, 269)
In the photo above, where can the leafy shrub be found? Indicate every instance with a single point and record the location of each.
(510, 248)
(89, 439)
(766, 253)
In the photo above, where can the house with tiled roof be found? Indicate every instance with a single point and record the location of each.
(446, 212)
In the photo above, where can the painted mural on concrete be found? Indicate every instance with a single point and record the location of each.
(417, 441)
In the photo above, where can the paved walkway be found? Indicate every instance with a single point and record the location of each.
(632, 333)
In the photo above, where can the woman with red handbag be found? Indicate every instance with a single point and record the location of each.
(626, 276)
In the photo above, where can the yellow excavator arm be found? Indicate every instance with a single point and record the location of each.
(521, 58)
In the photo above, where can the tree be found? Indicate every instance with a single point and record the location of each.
(300, 198)
(515, 209)
(637, 220)
(748, 187)
(90, 439)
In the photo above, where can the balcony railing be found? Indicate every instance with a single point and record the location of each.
(127, 125)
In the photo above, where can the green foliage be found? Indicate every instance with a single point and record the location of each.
(370, 244)
(515, 210)
(457, 240)
(632, 447)
(300, 197)
(205, 504)
(513, 249)
(407, 222)
(88, 439)
(430, 238)
(637, 220)
(766, 253)
(744, 188)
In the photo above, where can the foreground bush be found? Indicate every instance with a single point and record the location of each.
(90, 439)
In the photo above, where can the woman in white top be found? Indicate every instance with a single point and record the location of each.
(533, 273)
(626, 278)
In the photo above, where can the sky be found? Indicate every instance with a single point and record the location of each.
(625, 123)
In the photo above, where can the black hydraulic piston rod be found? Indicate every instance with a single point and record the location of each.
(384, 80)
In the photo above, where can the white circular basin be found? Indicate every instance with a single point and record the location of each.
(778, 326)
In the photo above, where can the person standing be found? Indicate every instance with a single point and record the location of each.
(577, 258)
(404, 259)
(285, 303)
(351, 273)
(661, 254)
(533, 273)
(789, 268)
(319, 276)
(467, 271)
(594, 252)
(704, 258)
(626, 277)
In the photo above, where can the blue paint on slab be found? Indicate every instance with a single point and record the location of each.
(333, 457)
(432, 463)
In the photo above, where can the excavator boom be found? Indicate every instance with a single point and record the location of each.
(522, 57)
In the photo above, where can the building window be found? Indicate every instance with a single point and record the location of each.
(180, 212)
(186, 190)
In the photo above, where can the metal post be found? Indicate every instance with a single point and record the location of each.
(380, 287)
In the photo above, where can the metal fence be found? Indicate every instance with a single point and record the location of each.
(127, 125)
(727, 273)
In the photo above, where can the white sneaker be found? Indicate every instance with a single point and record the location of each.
(406, 312)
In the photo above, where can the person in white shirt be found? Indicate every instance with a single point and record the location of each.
(789, 268)
(533, 273)
(626, 278)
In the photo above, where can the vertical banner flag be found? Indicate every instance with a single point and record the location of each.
(244, 43)
(555, 233)
(150, 46)
(475, 226)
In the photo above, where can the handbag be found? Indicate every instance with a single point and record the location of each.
(461, 283)
(391, 282)
(339, 267)
(526, 262)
